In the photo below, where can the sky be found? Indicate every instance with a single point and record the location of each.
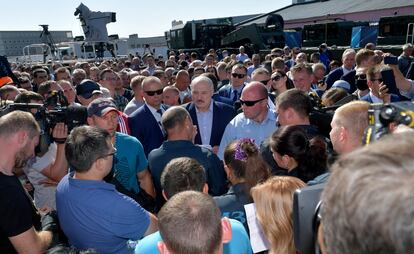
(145, 18)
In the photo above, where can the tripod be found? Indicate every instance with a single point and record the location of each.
(48, 39)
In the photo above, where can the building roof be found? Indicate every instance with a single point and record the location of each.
(330, 7)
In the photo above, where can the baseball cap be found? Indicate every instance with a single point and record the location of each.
(101, 106)
(342, 84)
(87, 88)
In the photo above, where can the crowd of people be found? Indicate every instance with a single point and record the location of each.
(172, 150)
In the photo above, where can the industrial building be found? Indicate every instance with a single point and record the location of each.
(303, 12)
(13, 42)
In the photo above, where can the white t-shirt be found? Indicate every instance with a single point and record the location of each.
(43, 196)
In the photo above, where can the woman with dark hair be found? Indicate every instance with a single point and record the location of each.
(212, 69)
(280, 83)
(245, 168)
(293, 151)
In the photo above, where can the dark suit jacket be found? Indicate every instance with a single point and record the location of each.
(367, 98)
(225, 91)
(146, 129)
(169, 150)
(350, 78)
(222, 115)
(334, 76)
(222, 99)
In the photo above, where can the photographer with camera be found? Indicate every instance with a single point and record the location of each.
(46, 169)
(47, 87)
(69, 92)
(20, 221)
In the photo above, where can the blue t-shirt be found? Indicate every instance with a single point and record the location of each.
(239, 243)
(93, 215)
(130, 160)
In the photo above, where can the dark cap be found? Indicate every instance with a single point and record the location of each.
(101, 106)
(87, 88)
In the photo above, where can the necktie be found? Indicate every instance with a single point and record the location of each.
(235, 95)
(159, 111)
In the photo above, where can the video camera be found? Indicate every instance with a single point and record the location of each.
(306, 203)
(48, 115)
(382, 116)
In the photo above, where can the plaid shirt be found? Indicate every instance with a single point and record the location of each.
(120, 102)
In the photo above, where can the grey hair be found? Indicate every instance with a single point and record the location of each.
(202, 79)
(368, 201)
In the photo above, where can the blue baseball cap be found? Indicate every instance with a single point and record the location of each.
(87, 88)
(342, 84)
(101, 106)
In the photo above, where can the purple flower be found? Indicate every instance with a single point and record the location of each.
(240, 154)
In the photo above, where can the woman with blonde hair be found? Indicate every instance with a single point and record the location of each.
(274, 203)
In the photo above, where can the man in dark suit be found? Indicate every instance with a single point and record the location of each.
(238, 78)
(211, 117)
(378, 92)
(145, 122)
(348, 62)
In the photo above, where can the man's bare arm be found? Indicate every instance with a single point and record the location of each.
(145, 182)
(31, 241)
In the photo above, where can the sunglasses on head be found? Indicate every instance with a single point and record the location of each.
(360, 76)
(250, 103)
(276, 78)
(236, 75)
(152, 93)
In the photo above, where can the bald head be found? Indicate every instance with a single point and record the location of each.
(257, 88)
(254, 101)
(182, 81)
(177, 123)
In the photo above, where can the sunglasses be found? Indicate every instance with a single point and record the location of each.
(250, 103)
(276, 78)
(236, 75)
(264, 82)
(361, 76)
(152, 93)
(110, 154)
